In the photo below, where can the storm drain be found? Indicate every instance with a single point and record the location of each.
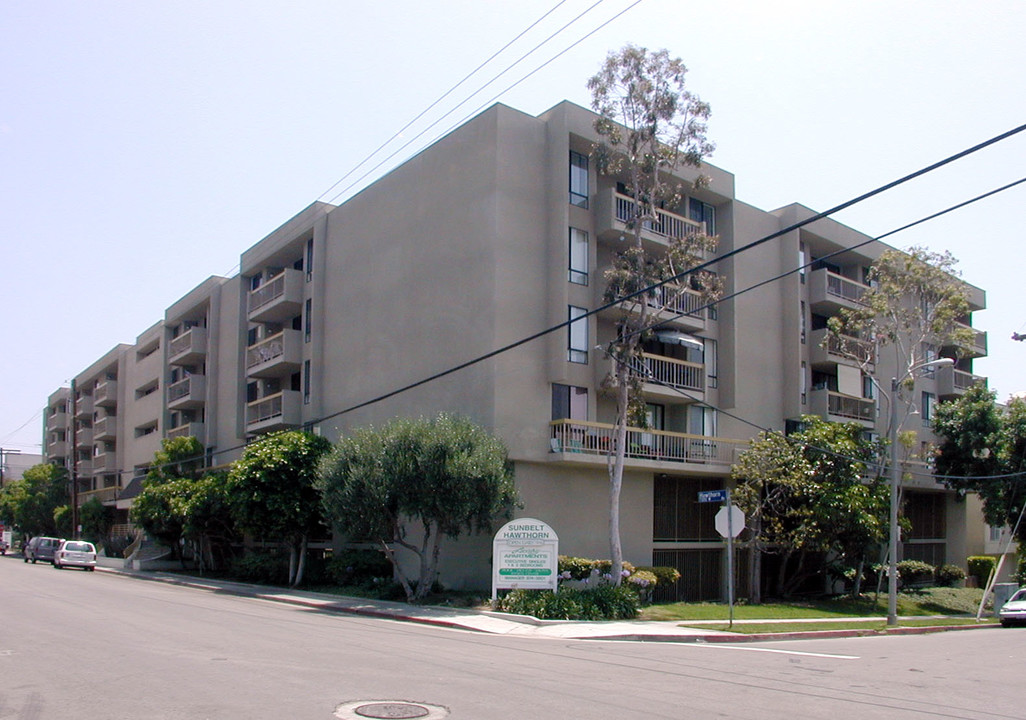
(389, 710)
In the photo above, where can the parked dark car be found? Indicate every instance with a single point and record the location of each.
(42, 548)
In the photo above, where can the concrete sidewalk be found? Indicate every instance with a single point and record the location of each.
(497, 623)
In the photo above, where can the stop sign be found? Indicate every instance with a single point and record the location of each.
(736, 521)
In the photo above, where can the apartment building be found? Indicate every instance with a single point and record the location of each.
(495, 233)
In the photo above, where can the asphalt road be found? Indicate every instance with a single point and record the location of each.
(91, 646)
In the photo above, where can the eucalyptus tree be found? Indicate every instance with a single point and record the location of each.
(652, 126)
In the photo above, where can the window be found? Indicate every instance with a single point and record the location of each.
(569, 402)
(307, 321)
(868, 387)
(578, 179)
(256, 281)
(803, 383)
(306, 382)
(801, 313)
(710, 362)
(929, 399)
(578, 251)
(929, 355)
(309, 260)
(802, 261)
(577, 336)
(704, 213)
(701, 420)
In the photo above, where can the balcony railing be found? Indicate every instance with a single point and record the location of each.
(273, 411)
(834, 404)
(672, 372)
(193, 429)
(279, 298)
(667, 224)
(953, 382)
(107, 494)
(578, 436)
(276, 355)
(978, 346)
(827, 347)
(829, 292)
(188, 347)
(106, 394)
(190, 391)
(689, 302)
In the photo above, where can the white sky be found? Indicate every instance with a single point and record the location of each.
(145, 145)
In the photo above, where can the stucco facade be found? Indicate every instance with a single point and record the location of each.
(495, 233)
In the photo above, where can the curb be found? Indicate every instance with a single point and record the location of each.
(258, 592)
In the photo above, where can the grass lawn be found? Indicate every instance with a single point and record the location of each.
(754, 628)
(927, 601)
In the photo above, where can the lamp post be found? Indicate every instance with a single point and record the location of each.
(892, 544)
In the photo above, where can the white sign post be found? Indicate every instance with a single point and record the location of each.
(730, 521)
(525, 554)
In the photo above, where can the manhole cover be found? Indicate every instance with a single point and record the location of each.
(391, 710)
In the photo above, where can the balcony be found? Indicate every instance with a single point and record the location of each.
(827, 350)
(84, 468)
(274, 412)
(188, 393)
(191, 429)
(278, 299)
(104, 495)
(952, 383)
(589, 442)
(613, 212)
(663, 376)
(830, 292)
(105, 428)
(84, 407)
(189, 348)
(56, 449)
(57, 420)
(106, 394)
(84, 437)
(978, 346)
(105, 462)
(276, 356)
(842, 408)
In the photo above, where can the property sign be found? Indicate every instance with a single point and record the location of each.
(525, 554)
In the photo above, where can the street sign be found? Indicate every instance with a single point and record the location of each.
(712, 496)
(730, 523)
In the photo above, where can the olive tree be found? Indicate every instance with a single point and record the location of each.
(651, 126)
(412, 482)
(272, 493)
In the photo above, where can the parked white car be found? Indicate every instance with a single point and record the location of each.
(75, 553)
(1014, 611)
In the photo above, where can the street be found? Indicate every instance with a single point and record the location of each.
(90, 646)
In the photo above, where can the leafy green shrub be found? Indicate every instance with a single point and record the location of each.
(980, 567)
(577, 568)
(603, 602)
(948, 575)
(665, 576)
(267, 567)
(914, 572)
(358, 567)
(1020, 568)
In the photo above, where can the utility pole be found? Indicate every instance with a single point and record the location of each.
(74, 460)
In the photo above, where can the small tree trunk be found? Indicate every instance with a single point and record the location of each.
(303, 543)
(856, 587)
(292, 563)
(616, 470)
(428, 562)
